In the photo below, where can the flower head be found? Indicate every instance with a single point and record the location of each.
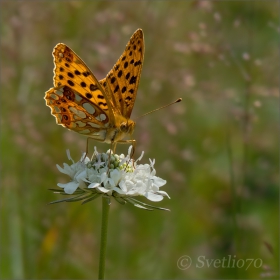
(112, 175)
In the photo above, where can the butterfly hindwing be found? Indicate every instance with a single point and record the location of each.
(74, 112)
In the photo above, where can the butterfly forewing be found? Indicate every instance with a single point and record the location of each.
(124, 77)
(70, 70)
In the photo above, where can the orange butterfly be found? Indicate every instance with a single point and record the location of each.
(98, 109)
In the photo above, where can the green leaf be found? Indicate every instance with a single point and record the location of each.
(79, 197)
(137, 205)
(151, 206)
(120, 200)
(91, 198)
(66, 199)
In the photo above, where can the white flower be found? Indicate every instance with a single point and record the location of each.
(142, 181)
(116, 176)
(76, 172)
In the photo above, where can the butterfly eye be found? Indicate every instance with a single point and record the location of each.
(123, 126)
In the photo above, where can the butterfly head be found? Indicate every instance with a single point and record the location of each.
(127, 126)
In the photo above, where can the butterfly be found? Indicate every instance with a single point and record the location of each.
(97, 109)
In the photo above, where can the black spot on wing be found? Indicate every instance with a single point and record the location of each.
(137, 63)
(93, 87)
(86, 73)
(120, 73)
(123, 89)
(116, 88)
(70, 83)
(133, 80)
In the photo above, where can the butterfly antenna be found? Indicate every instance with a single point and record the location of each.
(176, 101)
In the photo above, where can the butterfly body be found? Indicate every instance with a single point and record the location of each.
(122, 128)
(97, 109)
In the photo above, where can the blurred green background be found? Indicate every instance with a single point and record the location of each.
(218, 149)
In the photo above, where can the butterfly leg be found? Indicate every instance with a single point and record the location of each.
(133, 142)
(86, 150)
(114, 146)
(87, 147)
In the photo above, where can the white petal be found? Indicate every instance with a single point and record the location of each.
(152, 162)
(163, 193)
(93, 185)
(104, 176)
(81, 176)
(68, 155)
(103, 190)
(140, 187)
(94, 178)
(116, 176)
(66, 170)
(69, 187)
(153, 196)
(69, 170)
(132, 193)
(60, 168)
(83, 159)
(110, 183)
(86, 180)
(129, 150)
(141, 156)
(158, 181)
(122, 185)
(153, 172)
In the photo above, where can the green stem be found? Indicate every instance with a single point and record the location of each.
(103, 243)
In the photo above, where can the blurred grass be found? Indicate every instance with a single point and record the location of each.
(218, 149)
